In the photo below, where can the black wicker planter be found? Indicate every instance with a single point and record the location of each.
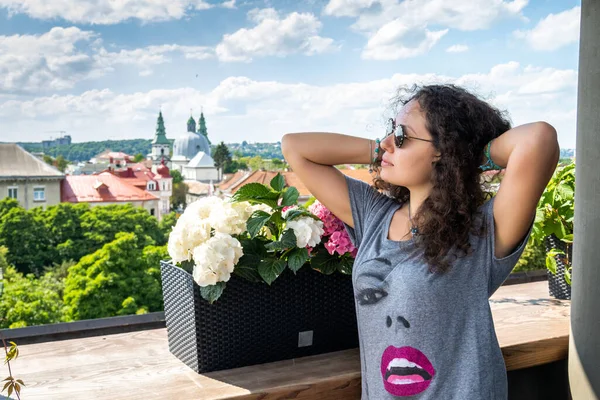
(559, 288)
(298, 315)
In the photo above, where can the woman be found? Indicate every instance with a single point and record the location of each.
(431, 250)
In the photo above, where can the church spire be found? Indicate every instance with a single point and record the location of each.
(191, 123)
(160, 137)
(202, 126)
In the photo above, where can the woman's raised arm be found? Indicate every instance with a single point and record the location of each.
(312, 156)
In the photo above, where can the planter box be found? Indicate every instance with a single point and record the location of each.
(252, 323)
(557, 285)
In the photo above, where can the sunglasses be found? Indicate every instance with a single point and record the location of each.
(398, 132)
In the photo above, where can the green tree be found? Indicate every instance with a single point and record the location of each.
(167, 223)
(178, 198)
(176, 175)
(61, 163)
(256, 163)
(7, 204)
(101, 225)
(222, 157)
(234, 166)
(27, 240)
(27, 301)
(118, 279)
(63, 224)
(139, 157)
(48, 160)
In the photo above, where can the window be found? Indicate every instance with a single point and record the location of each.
(152, 211)
(39, 194)
(162, 152)
(12, 192)
(150, 185)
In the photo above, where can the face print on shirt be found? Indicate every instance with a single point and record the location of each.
(405, 370)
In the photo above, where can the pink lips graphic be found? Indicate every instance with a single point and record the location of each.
(410, 373)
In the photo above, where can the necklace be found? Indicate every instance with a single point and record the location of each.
(413, 228)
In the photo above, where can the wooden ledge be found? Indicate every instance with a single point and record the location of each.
(532, 329)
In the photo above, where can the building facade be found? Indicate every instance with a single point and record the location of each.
(26, 178)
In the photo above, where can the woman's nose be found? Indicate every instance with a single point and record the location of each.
(387, 143)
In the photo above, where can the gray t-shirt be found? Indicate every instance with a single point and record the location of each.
(423, 335)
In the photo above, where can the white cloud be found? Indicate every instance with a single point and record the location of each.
(51, 61)
(274, 36)
(348, 8)
(391, 42)
(228, 4)
(108, 11)
(399, 29)
(554, 31)
(62, 57)
(465, 15)
(457, 48)
(240, 108)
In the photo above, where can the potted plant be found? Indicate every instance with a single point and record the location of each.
(257, 278)
(554, 227)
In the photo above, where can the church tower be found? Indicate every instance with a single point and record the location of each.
(161, 147)
(202, 127)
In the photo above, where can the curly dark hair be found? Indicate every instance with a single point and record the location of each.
(461, 124)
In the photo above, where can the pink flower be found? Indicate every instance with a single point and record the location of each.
(339, 241)
(331, 223)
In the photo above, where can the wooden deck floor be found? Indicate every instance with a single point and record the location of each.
(532, 329)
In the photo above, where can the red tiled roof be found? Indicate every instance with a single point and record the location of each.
(104, 187)
(137, 174)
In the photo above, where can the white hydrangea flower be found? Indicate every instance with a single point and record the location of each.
(186, 235)
(215, 259)
(308, 231)
(224, 218)
(201, 208)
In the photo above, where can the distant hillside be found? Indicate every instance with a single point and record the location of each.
(265, 150)
(85, 150)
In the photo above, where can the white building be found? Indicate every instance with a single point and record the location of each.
(191, 154)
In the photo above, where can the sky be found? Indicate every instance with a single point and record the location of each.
(103, 69)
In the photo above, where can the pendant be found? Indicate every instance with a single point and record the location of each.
(414, 230)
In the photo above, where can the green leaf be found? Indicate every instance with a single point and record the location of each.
(278, 183)
(555, 252)
(290, 196)
(345, 266)
(257, 220)
(568, 276)
(297, 258)
(325, 263)
(568, 238)
(270, 269)
(248, 271)
(288, 240)
(212, 293)
(293, 214)
(258, 193)
(551, 264)
(565, 191)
